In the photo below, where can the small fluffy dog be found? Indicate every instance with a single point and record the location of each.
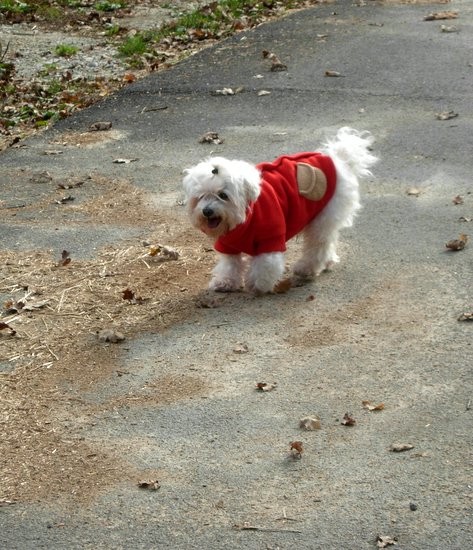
(251, 211)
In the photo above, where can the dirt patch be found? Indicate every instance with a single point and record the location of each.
(89, 139)
(55, 353)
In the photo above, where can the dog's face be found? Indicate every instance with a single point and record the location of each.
(218, 192)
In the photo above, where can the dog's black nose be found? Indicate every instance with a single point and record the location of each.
(207, 212)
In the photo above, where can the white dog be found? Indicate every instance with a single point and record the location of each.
(252, 211)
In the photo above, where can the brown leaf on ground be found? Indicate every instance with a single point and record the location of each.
(283, 286)
(110, 335)
(332, 73)
(211, 137)
(276, 63)
(448, 28)
(71, 185)
(128, 78)
(100, 126)
(129, 295)
(264, 386)
(63, 200)
(400, 447)
(382, 541)
(446, 115)
(440, 15)
(65, 259)
(296, 449)
(457, 200)
(348, 420)
(240, 348)
(370, 407)
(310, 423)
(6, 326)
(466, 316)
(149, 485)
(163, 253)
(124, 161)
(457, 244)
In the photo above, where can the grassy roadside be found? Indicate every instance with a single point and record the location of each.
(29, 104)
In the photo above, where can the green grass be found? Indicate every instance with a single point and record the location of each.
(48, 68)
(65, 50)
(211, 20)
(135, 45)
(105, 5)
(54, 87)
(14, 6)
(113, 30)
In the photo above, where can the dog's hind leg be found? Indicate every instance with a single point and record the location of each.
(319, 252)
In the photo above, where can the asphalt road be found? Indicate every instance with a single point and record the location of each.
(384, 326)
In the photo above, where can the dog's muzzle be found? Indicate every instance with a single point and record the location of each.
(212, 220)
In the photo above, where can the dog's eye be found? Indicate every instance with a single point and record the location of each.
(222, 195)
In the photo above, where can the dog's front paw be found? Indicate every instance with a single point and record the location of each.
(224, 285)
(259, 288)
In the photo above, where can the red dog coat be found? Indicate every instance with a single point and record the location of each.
(280, 212)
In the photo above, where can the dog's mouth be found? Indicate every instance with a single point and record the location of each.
(213, 223)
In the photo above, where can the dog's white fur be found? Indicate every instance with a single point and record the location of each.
(233, 184)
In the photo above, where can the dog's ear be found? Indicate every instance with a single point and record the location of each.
(251, 178)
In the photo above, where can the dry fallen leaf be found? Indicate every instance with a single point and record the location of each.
(400, 447)
(263, 92)
(211, 137)
(65, 259)
(163, 253)
(130, 296)
(264, 386)
(296, 449)
(368, 405)
(310, 423)
(466, 316)
(6, 326)
(100, 126)
(276, 63)
(70, 185)
(457, 244)
(283, 286)
(448, 28)
(332, 73)
(446, 115)
(63, 200)
(149, 485)
(240, 348)
(413, 192)
(110, 335)
(457, 200)
(382, 541)
(224, 91)
(124, 161)
(228, 91)
(440, 15)
(348, 420)
(129, 78)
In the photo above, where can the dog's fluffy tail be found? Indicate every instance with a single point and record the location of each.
(353, 148)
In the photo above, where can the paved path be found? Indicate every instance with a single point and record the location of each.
(383, 326)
